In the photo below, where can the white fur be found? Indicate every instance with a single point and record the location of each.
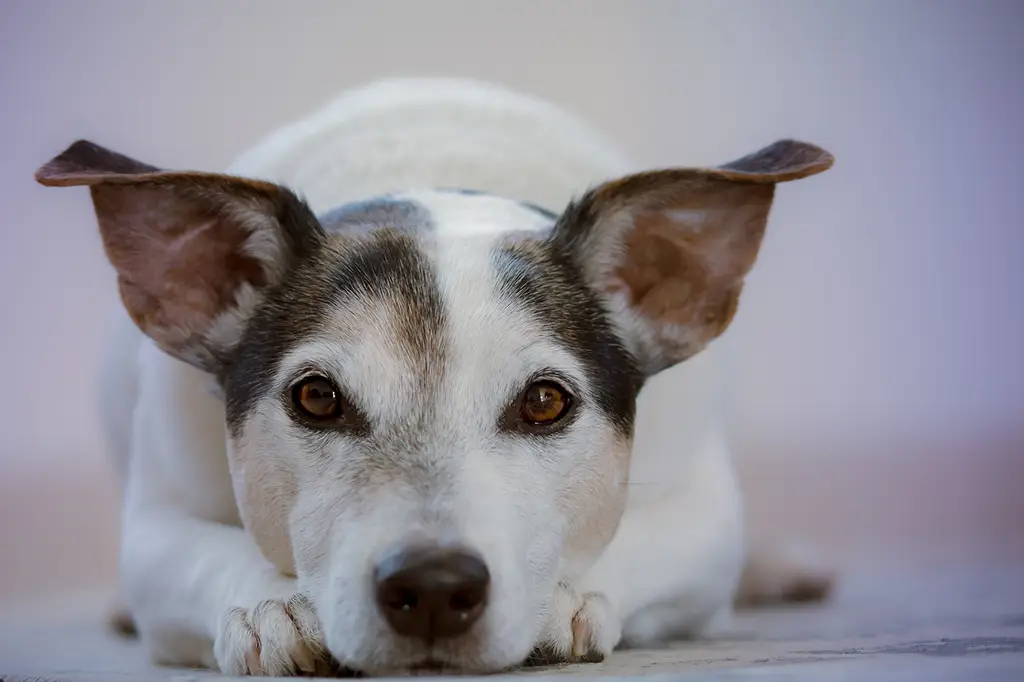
(192, 576)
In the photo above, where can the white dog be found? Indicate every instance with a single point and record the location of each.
(385, 422)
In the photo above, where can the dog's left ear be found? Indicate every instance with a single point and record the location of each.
(668, 250)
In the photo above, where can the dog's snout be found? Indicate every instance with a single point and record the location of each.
(431, 592)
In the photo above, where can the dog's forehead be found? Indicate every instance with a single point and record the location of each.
(425, 284)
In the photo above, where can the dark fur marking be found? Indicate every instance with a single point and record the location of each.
(394, 265)
(383, 264)
(545, 281)
(525, 204)
(360, 216)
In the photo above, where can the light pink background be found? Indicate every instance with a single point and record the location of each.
(880, 373)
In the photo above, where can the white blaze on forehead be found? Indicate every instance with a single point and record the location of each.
(456, 214)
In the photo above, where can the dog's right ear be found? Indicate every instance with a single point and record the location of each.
(193, 251)
(668, 250)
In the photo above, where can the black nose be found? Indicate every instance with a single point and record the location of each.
(431, 592)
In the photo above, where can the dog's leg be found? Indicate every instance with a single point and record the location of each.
(674, 564)
(116, 395)
(199, 588)
(202, 594)
(679, 563)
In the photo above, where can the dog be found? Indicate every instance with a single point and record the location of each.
(372, 392)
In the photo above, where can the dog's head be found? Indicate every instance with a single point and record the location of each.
(430, 397)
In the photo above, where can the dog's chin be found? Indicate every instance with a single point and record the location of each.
(429, 667)
(437, 662)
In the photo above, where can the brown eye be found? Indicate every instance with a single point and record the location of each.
(544, 402)
(316, 398)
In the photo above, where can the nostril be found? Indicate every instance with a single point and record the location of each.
(399, 599)
(466, 600)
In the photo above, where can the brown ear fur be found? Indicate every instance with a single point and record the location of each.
(185, 245)
(669, 249)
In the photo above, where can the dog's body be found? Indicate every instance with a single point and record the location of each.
(237, 552)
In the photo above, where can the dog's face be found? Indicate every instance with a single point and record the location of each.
(430, 396)
(431, 375)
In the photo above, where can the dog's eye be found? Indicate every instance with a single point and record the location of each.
(317, 398)
(544, 403)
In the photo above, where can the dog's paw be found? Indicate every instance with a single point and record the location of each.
(582, 628)
(277, 638)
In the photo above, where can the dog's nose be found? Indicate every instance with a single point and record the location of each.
(432, 592)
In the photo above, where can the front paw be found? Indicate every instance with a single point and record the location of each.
(582, 628)
(277, 638)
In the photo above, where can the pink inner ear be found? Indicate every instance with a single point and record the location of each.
(683, 268)
(673, 246)
(180, 262)
(657, 270)
(664, 269)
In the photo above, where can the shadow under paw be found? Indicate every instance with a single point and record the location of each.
(547, 656)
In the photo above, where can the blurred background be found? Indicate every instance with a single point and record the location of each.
(879, 374)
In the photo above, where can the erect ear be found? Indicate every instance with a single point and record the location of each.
(193, 251)
(668, 250)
